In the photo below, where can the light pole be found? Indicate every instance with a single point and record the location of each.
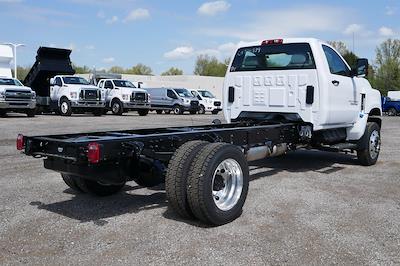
(15, 45)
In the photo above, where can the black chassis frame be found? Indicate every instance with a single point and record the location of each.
(121, 150)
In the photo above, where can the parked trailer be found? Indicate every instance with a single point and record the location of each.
(205, 168)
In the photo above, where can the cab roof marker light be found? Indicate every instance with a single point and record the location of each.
(274, 41)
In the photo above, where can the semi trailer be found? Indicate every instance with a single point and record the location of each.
(57, 89)
(279, 96)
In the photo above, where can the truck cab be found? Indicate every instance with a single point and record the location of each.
(301, 79)
(122, 96)
(73, 93)
(15, 97)
(207, 102)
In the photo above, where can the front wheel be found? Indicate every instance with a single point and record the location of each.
(369, 153)
(116, 107)
(65, 107)
(178, 110)
(31, 112)
(218, 182)
(202, 110)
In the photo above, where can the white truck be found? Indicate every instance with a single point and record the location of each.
(207, 102)
(122, 96)
(280, 95)
(14, 97)
(58, 90)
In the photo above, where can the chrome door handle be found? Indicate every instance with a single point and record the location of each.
(335, 82)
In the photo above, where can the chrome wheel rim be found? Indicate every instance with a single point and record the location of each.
(177, 110)
(227, 184)
(115, 108)
(374, 144)
(64, 107)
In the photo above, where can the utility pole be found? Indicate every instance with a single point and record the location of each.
(15, 45)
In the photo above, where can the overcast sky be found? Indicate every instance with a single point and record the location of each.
(161, 34)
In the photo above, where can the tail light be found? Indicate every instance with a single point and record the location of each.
(275, 41)
(93, 152)
(20, 142)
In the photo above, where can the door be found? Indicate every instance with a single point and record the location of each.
(171, 98)
(55, 89)
(108, 86)
(342, 91)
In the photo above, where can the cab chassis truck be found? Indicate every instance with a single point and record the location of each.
(205, 168)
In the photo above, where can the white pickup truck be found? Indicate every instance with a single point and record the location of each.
(279, 96)
(122, 96)
(15, 97)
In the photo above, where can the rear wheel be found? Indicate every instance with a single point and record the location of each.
(65, 107)
(392, 112)
(218, 183)
(143, 112)
(176, 177)
(370, 152)
(116, 107)
(159, 112)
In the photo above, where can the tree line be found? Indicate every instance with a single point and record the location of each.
(383, 75)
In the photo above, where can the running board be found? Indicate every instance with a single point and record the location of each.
(339, 147)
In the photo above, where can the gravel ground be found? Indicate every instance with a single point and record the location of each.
(304, 208)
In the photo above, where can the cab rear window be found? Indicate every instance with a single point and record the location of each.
(273, 57)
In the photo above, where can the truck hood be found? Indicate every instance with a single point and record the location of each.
(16, 88)
(80, 86)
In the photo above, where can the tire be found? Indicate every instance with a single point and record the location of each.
(149, 173)
(31, 112)
(116, 107)
(177, 110)
(159, 112)
(207, 195)
(214, 112)
(65, 107)
(70, 180)
(193, 112)
(143, 112)
(176, 177)
(392, 112)
(202, 110)
(369, 155)
(98, 112)
(96, 188)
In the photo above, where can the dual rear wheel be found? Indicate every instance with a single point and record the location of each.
(207, 181)
(82, 185)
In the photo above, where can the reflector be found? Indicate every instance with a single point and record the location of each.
(20, 142)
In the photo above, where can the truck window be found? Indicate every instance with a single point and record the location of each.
(108, 84)
(101, 84)
(75, 81)
(273, 57)
(171, 94)
(336, 65)
(58, 82)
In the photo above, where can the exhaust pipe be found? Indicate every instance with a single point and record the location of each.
(261, 152)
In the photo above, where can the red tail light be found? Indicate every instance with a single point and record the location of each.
(93, 152)
(275, 41)
(20, 142)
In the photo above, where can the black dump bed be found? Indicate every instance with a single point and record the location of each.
(49, 63)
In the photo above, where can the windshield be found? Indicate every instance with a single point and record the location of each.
(206, 94)
(274, 57)
(10, 82)
(183, 93)
(123, 83)
(75, 80)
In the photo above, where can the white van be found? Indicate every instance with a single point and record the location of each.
(207, 101)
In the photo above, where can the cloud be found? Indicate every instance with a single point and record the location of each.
(353, 28)
(137, 14)
(112, 20)
(386, 32)
(213, 8)
(179, 53)
(390, 11)
(90, 47)
(295, 21)
(108, 60)
(101, 14)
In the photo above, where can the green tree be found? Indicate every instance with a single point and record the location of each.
(173, 71)
(117, 70)
(139, 69)
(209, 66)
(341, 47)
(81, 69)
(350, 58)
(387, 69)
(22, 71)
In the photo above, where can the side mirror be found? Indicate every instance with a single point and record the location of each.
(52, 81)
(361, 68)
